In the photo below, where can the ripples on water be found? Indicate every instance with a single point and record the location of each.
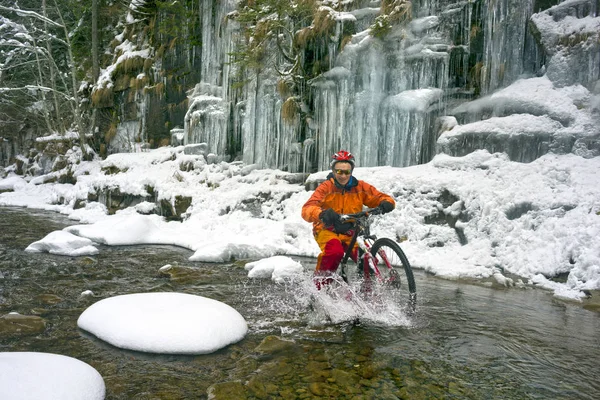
(465, 341)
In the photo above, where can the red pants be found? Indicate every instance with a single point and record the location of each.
(333, 247)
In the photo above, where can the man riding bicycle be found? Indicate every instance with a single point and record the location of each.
(341, 193)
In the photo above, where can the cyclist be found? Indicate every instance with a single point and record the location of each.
(341, 193)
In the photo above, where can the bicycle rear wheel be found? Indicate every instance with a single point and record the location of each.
(394, 269)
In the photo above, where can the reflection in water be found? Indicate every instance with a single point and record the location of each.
(464, 341)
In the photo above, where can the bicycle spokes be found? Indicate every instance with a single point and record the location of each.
(382, 263)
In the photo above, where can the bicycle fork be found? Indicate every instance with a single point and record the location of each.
(368, 265)
(367, 261)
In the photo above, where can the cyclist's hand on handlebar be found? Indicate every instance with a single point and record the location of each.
(329, 217)
(342, 227)
(385, 207)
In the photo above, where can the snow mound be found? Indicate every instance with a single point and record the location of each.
(277, 268)
(171, 323)
(31, 375)
(63, 243)
(12, 183)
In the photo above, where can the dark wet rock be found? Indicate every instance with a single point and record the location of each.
(320, 357)
(256, 386)
(254, 205)
(283, 369)
(592, 300)
(246, 366)
(112, 170)
(227, 391)
(49, 299)
(79, 203)
(182, 274)
(360, 358)
(173, 211)
(367, 371)
(115, 200)
(372, 383)
(316, 389)
(343, 378)
(272, 345)
(60, 162)
(279, 368)
(261, 387)
(317, 366)
(518, 210)
(186, 166)
(17, 324)
(182, 203)
(325, 390)
(287, 394)
(87, 261)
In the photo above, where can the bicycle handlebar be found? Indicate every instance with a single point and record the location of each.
(364, 213)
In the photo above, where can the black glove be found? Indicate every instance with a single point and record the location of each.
(385, 207)
(342, 227)
(329, 217)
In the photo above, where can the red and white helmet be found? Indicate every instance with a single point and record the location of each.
(342, 156)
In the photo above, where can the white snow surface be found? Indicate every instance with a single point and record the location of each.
(12, 183)
(277, 268)
(65, 244)
(31, 375)
(170, 323)
(527, 222)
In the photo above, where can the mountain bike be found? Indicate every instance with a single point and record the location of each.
(381, 261)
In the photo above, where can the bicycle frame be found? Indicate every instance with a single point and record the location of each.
(363, 237)
(373, 259)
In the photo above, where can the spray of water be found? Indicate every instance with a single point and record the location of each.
(296, 302)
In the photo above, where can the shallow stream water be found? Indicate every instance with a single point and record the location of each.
(465, 341)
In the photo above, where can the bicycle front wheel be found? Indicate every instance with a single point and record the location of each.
(394, 269)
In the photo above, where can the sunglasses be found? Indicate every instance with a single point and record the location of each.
(343, 171)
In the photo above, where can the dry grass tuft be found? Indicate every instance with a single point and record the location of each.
(131, 65)
(290, 111)
(284, 88)
(102, 98)
(345, 40)
(323, 22)
(111, 132)
(303, 36)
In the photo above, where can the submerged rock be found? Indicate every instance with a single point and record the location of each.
(226, 390)
(49, 299)
(17, 324)
(181, 274)
(274, 344)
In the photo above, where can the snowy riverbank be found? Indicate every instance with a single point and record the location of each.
(480, 216)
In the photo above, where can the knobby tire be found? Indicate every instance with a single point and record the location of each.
(395, 254)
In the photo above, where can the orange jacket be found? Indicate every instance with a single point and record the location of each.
(347, 200)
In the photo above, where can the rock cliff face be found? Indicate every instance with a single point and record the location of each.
(393, 81)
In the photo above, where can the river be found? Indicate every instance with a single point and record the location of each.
(465, 341)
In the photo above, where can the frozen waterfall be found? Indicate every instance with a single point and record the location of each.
(385, 98)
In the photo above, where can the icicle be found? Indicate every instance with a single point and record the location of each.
(504, 30)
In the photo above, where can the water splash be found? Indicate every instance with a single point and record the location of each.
(296, 304)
